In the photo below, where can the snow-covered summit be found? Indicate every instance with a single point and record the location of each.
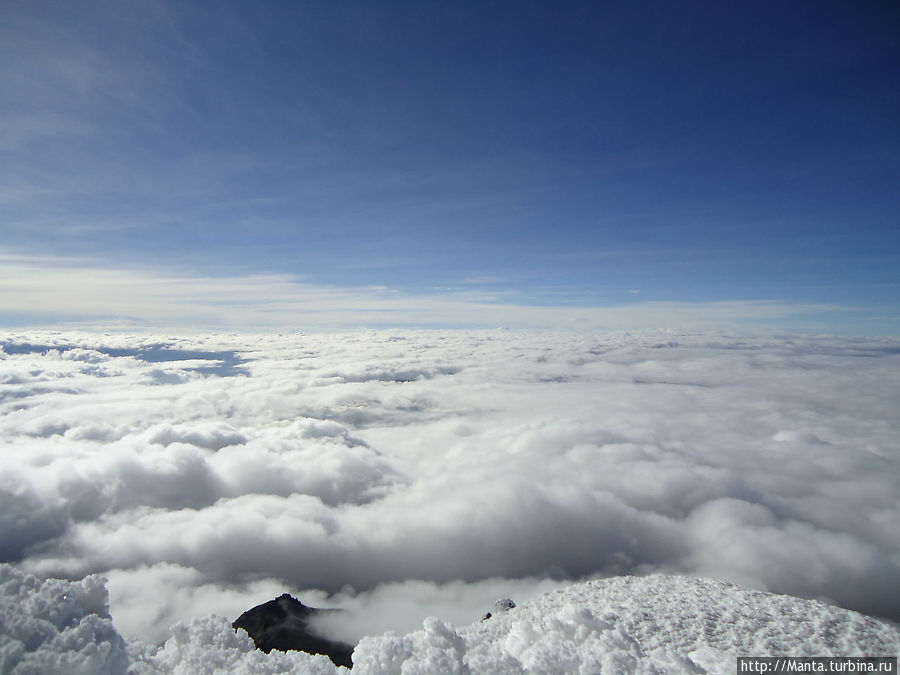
(653, 624)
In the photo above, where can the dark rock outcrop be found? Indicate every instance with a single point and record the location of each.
(283, 624)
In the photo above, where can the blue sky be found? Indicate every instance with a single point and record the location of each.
(545, 156)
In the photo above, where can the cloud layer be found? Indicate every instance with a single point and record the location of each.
(209, 473)
(47, 290)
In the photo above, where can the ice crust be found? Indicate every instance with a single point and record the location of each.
(652, 624)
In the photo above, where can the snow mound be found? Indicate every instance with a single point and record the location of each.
(54, 626)
(653, 624)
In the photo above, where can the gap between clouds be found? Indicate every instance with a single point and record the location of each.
(48, 290)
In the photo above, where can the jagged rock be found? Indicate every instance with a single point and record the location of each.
(502, 605)
(283, 624)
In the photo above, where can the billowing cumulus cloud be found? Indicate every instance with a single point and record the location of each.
(403, 474)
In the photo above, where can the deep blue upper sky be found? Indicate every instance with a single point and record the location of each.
(555, 153)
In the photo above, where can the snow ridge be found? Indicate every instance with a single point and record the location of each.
(653, 624)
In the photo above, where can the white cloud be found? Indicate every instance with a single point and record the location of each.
(34, 288)
(468, 461)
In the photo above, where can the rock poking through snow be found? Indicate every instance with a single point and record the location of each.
(283, 624)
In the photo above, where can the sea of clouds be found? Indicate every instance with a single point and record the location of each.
(403, 474)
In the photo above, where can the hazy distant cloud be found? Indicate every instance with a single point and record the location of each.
(352, 463)
(484, 280)
(42, 289)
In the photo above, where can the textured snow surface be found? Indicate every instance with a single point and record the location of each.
(50, 627)
(654, 624)
(53, 626)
